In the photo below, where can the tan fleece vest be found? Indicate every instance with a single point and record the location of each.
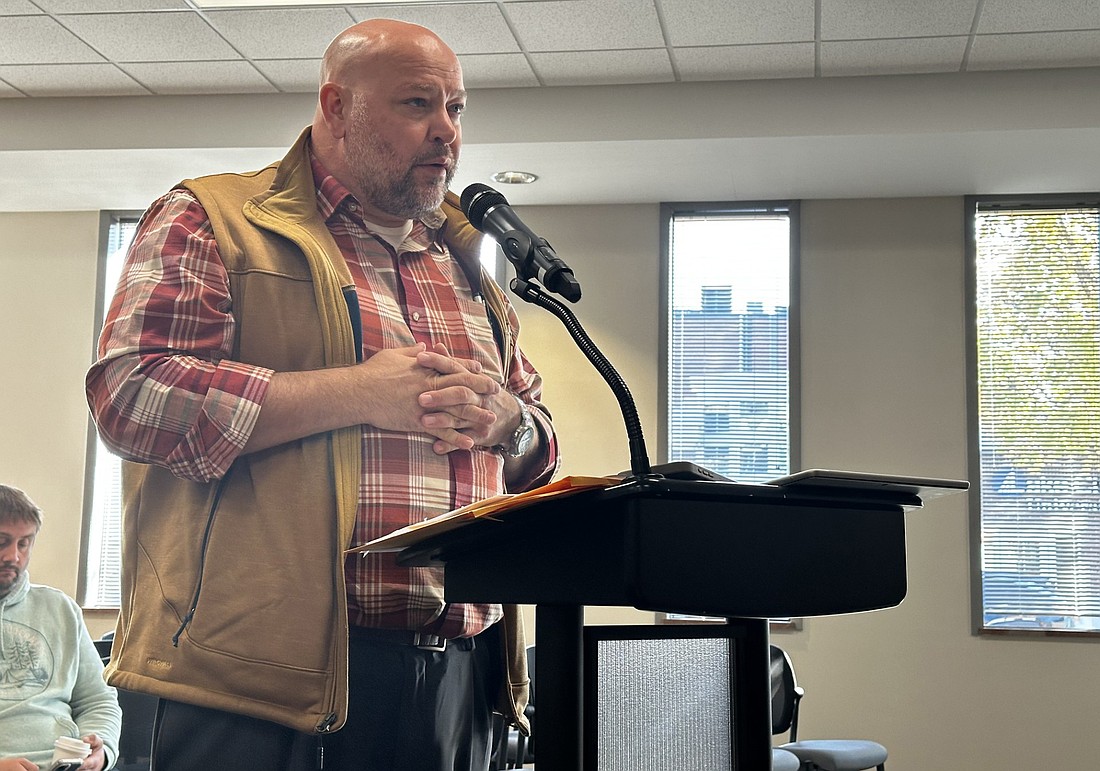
(267, 636)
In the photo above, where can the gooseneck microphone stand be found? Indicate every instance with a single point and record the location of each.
(534, 261)
(531, 292)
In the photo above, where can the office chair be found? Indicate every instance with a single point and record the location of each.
(782, 760)
(511, 749)
(135, 742)
(817, 754)
(103, 648)
(498, 756)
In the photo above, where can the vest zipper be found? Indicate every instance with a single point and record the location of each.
(202, 559)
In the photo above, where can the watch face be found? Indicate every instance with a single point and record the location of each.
(521, 442)
(525, 432)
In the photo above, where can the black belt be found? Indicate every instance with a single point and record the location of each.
(422, 640)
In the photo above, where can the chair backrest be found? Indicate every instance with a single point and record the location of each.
(138, 714)
(784, 691)
(103, 648)
(531, 674)
(139, 711)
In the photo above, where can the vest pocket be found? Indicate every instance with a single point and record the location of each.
(268, 589)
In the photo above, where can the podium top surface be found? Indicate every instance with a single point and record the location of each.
(815, 487)
(824, 485)
(830, 479)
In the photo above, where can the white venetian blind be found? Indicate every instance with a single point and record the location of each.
(1037, 295)
(728, 384)
(102, 561)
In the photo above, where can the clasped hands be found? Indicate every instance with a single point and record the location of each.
(446, 397)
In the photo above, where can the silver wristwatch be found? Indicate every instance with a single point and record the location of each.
(524, 435)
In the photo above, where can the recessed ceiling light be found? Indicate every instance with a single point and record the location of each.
(514, 177)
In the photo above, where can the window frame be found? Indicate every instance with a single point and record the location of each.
(107, 220)
(972, 203)
(668, 211)
(794, 358)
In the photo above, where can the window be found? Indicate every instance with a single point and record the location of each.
(99, 580)
(1035, 412)
(728, 323)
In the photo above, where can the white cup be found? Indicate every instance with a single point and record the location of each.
(66, 748)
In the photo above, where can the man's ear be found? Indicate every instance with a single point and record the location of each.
(334, 109)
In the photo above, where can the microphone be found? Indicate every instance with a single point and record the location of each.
(534, 258)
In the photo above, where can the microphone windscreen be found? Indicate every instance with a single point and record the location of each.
(476, 201)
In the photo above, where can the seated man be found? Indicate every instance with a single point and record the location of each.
(51, 678)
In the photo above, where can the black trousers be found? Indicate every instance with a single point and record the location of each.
(409, 710)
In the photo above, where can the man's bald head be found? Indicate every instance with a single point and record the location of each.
(387, 120)
(363, 49)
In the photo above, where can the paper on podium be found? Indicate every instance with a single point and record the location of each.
(483, 509)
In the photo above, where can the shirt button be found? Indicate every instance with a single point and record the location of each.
(416, 316)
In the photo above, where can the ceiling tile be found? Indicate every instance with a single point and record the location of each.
(892, 57)
(477, 28)
(110, 6)
(71, 80)
(293, 76)
(40, 39)
(783, 60)
(1017, 16)
(281, 33)
(237, 77)
(603, 67)
(737, 22)
(150, 37)
(859, 19)
(592, 41)
(563, 25)
(497, 71)
(12, 7)
(1035, 50)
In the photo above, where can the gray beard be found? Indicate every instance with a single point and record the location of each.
(401, 197)
(404, 198)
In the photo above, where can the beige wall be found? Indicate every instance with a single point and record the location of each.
(47, 305)
(883, 390)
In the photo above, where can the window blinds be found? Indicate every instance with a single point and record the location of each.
(102, 562)
(1037, 296)
(727, 375)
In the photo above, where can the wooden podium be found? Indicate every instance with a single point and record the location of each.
(818, 543)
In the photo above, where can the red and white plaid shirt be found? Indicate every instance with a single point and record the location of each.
(166, 391)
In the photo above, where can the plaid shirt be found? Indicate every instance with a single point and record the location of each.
(166, 392)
